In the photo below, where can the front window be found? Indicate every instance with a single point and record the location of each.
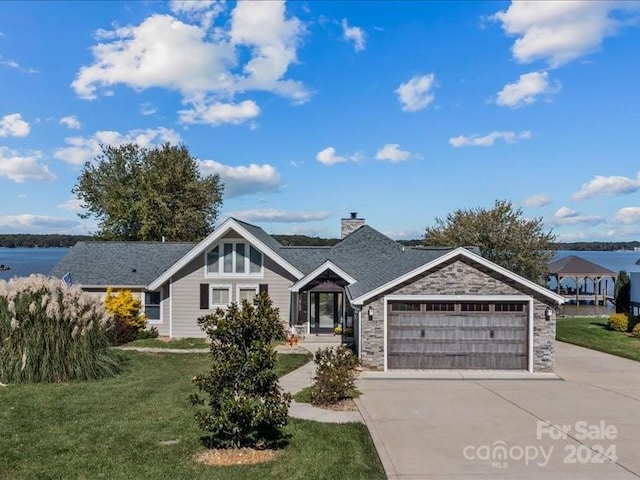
(233, 258)
(220, 296)
(152, 306)
(246, 293)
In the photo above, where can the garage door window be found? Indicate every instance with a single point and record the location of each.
(440, 307)
(474, 307)
(405, 307)
(509, 307)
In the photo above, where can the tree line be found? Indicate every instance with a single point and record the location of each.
(14, 240)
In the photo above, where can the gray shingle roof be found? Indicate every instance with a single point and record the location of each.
(369, 256)
(119, 263)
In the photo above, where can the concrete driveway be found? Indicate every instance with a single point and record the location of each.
(459, 429)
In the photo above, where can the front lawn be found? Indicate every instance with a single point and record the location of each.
(139, 425)
(593, 333)
(179, 343)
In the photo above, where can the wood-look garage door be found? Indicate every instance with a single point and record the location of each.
(457, 335)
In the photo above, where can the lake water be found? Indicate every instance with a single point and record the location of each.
(25, 261)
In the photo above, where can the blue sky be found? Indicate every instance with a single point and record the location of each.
(400, 111)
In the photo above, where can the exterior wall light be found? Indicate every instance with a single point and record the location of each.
(548, 314)
(370, 313)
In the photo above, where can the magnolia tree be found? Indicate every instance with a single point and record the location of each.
(240, 402)
(52, 333)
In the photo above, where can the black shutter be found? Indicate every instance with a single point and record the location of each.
(263, 288)
(204, 296)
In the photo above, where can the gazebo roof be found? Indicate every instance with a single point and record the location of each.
(576, 266)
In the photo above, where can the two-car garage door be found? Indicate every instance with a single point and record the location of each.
(457, 335)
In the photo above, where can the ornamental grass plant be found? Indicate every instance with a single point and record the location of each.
(53, 333)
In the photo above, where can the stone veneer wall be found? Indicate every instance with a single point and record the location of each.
(462, 277)
(350, 225)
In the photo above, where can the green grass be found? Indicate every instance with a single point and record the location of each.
(303, 396)
(114, 428)
(179, 343)
(593, 333)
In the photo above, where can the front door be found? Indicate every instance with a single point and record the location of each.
(325, 311)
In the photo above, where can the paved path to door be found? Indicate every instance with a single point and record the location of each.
(432, 429)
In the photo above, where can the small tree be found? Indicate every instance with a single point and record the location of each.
(622, 292)
(126, 311)
(243, 403)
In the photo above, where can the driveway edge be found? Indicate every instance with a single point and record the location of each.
(383, 455)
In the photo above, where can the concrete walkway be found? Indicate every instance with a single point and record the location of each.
(292, 382)
(503, 429)
(301, 378)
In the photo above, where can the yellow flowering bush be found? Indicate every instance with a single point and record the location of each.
(126, 311)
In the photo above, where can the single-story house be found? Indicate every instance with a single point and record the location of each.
(402, 307)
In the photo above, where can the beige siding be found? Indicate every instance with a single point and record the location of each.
(186, 293)
(163, 328)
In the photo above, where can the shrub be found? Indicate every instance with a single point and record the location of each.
(618, 322)
(622, 292)
(336, 370)
(245, 406)
(126, 310)
(52, 333)
(150, 333)
(635, 331)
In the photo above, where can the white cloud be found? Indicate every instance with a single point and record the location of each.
(73, 204)
(83, 149)
(567, 216)
(71, 121)
(526, 89)
(559, 32)
(204, 11)
(565, 212)
(391, 152)
(243, 180)
(416, 93)
(29, 223)
(13, 126)
(607, 187)
(282, 216)
(488, 140)
(628, 215)
(220, 113)
(328, 156)
(252, 52)
(408, 234)
(148, 108)
(539, 200)
(24, 168)
(354, 34)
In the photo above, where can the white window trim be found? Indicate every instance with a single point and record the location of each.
(218, 287)
(247, 260)
(245, 287)
(144, 305)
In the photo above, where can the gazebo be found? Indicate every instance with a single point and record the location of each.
(580, 270)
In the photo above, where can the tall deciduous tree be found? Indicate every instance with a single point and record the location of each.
(503, 236)
(145, 194)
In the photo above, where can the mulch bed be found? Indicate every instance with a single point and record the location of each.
(235, 456)
(346, 405)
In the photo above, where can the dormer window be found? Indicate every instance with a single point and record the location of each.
(233, 258)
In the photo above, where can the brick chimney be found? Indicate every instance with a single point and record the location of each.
(351, 224)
